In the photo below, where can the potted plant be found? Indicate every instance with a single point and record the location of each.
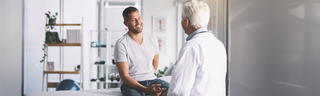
(51, 19)
(51, 36)
(161, 73)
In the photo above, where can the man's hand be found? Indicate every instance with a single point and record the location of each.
(155, 90)
(165, 93)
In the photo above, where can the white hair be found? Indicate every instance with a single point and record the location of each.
(198, 13)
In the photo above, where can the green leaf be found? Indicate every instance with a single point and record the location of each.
(48, 16)
(49, 12)
(56, 13)
(165, 69)
(161, 72)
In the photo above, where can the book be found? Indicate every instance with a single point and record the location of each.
(57, 39)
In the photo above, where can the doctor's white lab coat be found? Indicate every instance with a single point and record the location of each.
(201, 68)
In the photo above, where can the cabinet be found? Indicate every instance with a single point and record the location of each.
(62, 70)
(103, 71)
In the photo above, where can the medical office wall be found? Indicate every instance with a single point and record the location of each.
(11, 50)
(165, 8)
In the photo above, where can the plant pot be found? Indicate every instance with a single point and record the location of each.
(52, 21)
(52, 37)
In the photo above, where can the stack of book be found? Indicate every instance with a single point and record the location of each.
(73, 36)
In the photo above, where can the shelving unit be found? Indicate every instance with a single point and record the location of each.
(61, 71)
(66, 25)
(63, 44)
(107, 39)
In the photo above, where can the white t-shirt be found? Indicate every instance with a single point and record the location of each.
(139, 57)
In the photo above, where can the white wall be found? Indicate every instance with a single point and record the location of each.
(11, 50)
(34, 30)
(213, 9)
(274, 47)
(162, 8)
(34, 21)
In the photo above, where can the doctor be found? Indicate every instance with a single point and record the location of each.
(201, 67)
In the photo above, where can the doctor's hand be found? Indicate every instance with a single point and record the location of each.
(155, 90)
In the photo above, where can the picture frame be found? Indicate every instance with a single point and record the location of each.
(162, 41)
(50, 65)
(159, 24)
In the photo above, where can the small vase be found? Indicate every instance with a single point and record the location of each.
(52, 21)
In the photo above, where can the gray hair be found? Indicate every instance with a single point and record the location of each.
(197, 12)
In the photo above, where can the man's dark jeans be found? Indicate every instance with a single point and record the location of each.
(128, 91)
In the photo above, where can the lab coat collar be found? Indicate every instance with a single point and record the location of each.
(196, 32)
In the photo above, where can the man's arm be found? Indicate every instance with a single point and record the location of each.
(155, 62)
(123, 69)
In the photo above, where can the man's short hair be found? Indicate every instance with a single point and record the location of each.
(198, 13)
(127, 11)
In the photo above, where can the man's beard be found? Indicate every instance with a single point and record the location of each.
(136, 31)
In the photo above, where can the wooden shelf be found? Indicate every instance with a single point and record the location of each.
(60, 72)
(65, 25)
(54, 84)
(63, 44)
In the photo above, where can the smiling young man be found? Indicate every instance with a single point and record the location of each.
(136, 56)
